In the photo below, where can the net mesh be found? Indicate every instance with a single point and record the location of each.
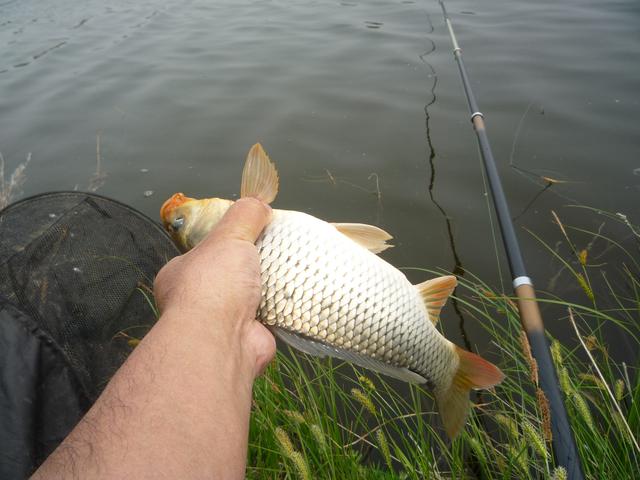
(82, 266)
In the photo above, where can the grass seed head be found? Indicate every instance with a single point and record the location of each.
(565, 380)
(519, 457)
(619, 389)
(295, 416)
(526, 350)
(545, 413)
(299, 462)
(620, 425)
(478, 450)
(509, 425)
(560, 473)
(284, 441)
(582, 257)
(585, 286)
(366, 383)
(302, 468)
(535, 439)
(591, 342)
(319, 436)
(364, 400)
(583, 409)
(556, 352)
(384, 447)
(589, 377)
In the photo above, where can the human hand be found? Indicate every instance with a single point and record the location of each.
(218, 282)
(179, 406)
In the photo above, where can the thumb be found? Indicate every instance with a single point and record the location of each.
(244, 220)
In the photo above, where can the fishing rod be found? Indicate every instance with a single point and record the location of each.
(563, 443)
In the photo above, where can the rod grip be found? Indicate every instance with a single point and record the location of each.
(528, 306)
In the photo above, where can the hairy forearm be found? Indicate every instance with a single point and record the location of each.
(179, 408)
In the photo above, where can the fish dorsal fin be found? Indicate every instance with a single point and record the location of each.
(319, 349)
(372, 238)
(259, 176)
(435, 292)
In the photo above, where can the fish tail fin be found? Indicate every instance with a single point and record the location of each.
(259, 176)
(473, 372)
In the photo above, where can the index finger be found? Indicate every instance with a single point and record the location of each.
(244, 220)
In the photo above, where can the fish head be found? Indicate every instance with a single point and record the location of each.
(188, 220)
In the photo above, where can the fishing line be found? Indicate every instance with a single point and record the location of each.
(563, 444)
(517, 134)
(493, 227)
(458, 268)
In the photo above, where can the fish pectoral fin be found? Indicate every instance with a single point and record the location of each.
(259, 176)
(434, 294)
(372, 238)
(320, 349)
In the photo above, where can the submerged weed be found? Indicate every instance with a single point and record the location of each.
(10, 188)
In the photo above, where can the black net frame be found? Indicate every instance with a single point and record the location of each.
(81, 266)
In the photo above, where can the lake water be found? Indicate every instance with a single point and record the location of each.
(358, 103)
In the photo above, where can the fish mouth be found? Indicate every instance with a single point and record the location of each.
(172, 203)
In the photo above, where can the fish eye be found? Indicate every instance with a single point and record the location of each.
(177, 223)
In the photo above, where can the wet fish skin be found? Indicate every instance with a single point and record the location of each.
(320, 284)
(325, 293)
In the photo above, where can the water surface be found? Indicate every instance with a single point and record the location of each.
(359, 104)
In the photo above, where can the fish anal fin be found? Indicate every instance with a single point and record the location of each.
(473, 372)
(434, 294)
(301, 343)
(259, 176)
(372, 238)
(320, 349)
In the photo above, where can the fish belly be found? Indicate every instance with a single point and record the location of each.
(319, 284)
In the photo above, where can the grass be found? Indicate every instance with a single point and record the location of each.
(325, 419)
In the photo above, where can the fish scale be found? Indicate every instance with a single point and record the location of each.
(324, 292)
(320, 284)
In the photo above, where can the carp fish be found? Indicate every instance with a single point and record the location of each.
(327, 293)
